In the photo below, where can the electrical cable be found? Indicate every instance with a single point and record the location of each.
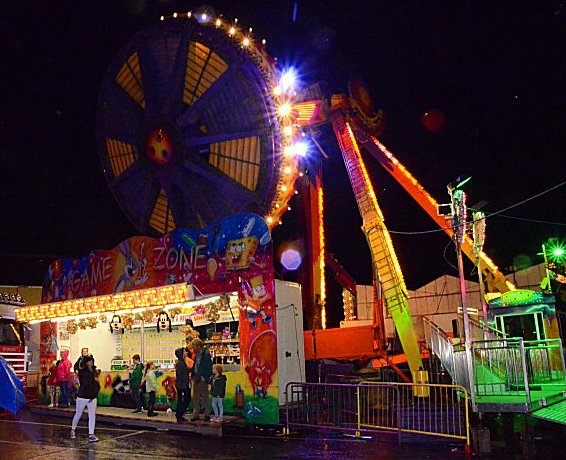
(496, 213)
(531, 220)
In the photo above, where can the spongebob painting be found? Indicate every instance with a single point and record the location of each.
(240, 253)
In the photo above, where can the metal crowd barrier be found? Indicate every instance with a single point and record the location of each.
(370, 407)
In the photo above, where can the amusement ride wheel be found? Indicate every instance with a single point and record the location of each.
(193, 126)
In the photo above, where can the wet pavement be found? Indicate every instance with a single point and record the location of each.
(31, 436)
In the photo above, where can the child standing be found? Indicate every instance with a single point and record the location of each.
(150, 380)
(53, 385)
(217, 391)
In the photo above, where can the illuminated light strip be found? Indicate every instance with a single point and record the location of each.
(16, 333)
(373, 198)
(305, 111)
(153, 297)
(365, 174)
(404, 170)
(321, 256)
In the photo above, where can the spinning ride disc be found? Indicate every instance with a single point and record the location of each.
(187, 127)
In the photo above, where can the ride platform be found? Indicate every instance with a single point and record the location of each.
(124, 417)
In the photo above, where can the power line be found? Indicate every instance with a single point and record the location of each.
(526, 200)
(496, 213)
(531, 220)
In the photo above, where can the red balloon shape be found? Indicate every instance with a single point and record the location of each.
(433, 120)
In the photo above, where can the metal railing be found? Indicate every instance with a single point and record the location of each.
(369, 407)
(501, 366)
(19, 360)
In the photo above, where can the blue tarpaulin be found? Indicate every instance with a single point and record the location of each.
(12, 392)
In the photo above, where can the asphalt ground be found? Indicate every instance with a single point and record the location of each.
(33, 436)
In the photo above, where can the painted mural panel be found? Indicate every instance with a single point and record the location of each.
(235, 254)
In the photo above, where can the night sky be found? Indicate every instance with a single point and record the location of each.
(495, 70)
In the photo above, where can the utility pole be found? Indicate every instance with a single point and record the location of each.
(458, 222)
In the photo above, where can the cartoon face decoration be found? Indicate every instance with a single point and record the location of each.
(259, 292)
(116, 325)
(164, 322)
(240, 253)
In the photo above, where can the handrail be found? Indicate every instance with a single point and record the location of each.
(480, 323)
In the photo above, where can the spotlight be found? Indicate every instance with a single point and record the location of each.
(301, 148)
(285, 109)
(288, 79)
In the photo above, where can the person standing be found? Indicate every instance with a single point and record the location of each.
(218, 392)
(202, 370)
(182, 383)
(84, 353)
(150, 381)
(135, 382)
(63, 377)
(88, 392)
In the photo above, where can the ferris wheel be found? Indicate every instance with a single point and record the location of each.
(193, 126)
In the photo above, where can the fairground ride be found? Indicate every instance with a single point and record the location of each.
(355, 123)
(196, 123)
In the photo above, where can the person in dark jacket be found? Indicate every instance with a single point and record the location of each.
(135, 382)
(182, 383)
(88, 392)
(218, 392)
(202, 370)
(80, 361)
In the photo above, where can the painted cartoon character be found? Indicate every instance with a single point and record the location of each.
(164, 322)
(169, 385)
(254, 304)
(134, 271)
(116, 325)
(259, 376)
(240, 253)
(57, 280)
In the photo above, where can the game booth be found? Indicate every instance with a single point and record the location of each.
(148, 296)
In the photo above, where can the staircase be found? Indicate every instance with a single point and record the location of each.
(510, 375)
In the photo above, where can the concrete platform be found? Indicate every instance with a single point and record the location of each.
(124, 417)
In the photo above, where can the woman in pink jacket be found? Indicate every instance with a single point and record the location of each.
(63, 377)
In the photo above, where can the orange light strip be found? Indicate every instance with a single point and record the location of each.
(321, 256)
(142, 298)
(404, 170)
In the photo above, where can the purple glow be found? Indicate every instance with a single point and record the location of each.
(291, 259)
